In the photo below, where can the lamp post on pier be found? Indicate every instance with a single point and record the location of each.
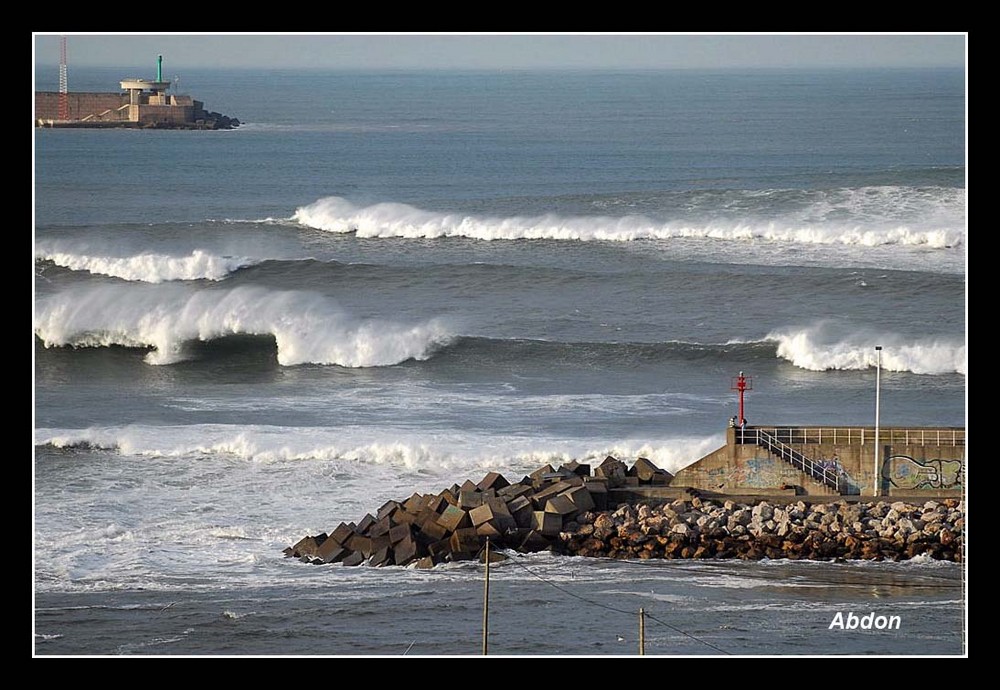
(877, 477)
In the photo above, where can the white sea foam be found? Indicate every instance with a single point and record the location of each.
(149, 267)
(307, 327)
(440, 454)
(820, 347)
(816, 226)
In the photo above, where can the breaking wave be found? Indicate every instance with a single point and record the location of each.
(307, 328)
(862, 217)
(150, 267)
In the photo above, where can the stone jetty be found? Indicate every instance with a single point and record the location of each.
(568, 511)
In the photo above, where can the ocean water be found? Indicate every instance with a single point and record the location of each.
(385, 283)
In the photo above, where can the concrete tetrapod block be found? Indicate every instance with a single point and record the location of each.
(387, 509)
(366, 522)
(404, 517)
(549, 524)
(481, 514)
(644, 469)
(612, 469)
(342, 533)
(454, 518)
(399, 532)
(576, 468)
(560, 505)
(433, 530)
(468, 485)
(331, 551)
(598, 489)
(361, 544)
(470, 499)
(509, 493)
(466, 540)
(406, 550)
(381, 557)
(542, 496)
(380, 542)
(381, 526)
(437, 504)
(493, 480)
(414, 503)
(662, 478)
(425, 515)
(306, 546)
(537, 475)
(440, 549)
(425, 563)
(487, 529)
(354, 558)
(580, 497)
(521, 509)
(497, 503)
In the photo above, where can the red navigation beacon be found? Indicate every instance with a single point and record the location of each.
(742, 383)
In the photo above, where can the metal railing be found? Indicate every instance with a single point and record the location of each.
(859, 436)
(827, 476)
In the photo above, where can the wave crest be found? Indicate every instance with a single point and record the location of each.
(817, 225)
(150, 267)
(308, 328)
(818, 348)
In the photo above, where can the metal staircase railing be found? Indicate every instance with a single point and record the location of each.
(796, 459)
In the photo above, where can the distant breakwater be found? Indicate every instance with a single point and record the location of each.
(567, 511)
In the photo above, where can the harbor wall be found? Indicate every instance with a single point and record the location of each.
(81, 104)
(924, 460)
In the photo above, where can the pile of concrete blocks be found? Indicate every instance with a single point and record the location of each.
(455, 524)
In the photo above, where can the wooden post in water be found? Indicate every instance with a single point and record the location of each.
(642, 632)
(486, 600)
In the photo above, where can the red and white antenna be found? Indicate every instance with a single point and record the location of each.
(63, 83)
(742, 383)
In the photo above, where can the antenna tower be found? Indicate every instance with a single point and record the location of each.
(63, 84)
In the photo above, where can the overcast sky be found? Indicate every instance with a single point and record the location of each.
(503, 51)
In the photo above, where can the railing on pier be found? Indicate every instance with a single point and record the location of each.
(854, 436)
(796, 459)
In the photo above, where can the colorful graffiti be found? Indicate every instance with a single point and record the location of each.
(904, 472)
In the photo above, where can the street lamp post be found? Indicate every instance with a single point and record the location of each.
(876, 489)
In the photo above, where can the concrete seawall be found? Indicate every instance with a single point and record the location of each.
(80, 104)
(832, 461)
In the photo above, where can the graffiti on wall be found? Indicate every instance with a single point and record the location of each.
(905, 472)
(835, 469)
(758, 473)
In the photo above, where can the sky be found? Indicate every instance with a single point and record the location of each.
(503, 51)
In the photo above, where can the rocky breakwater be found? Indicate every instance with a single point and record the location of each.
(567, 510)
(700, 528)
(533, 514)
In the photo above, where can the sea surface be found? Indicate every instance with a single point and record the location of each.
(387, 283)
